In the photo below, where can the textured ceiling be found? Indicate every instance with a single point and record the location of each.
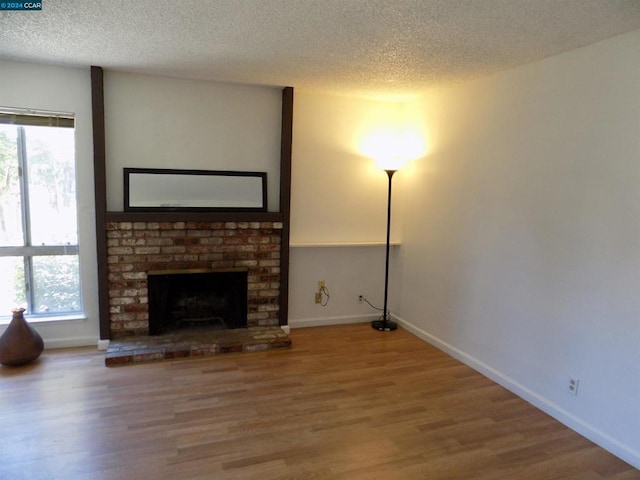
(362, 47)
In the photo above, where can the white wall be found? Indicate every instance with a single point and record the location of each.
(337, 194)
(349, 271)
(157, 122)
(521, 246)
(60, 89)
(338, 205)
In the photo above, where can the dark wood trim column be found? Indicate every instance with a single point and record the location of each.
(100, 191)
(286, 141)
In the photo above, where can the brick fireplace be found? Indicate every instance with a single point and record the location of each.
(130, 244)
(136, 248)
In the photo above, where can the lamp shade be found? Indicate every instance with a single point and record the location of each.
(390, 163)
(392, 150)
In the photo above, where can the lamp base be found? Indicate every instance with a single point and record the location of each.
(383, 326)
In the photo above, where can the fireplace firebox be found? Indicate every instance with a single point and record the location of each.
(197, 298)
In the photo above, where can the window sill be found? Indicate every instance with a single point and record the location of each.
(38, 320)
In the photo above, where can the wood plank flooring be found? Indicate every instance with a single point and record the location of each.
(345, 403)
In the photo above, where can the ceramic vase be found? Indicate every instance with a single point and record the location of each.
(20, 343)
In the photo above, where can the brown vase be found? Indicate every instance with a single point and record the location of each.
(20, 343)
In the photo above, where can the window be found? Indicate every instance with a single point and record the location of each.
(39, 267)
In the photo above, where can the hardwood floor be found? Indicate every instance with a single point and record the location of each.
(346, 402)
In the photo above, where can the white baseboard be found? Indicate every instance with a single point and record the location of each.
(286, 329)
(70, 342)
(103, 344)
(324, 321)
(585, 429)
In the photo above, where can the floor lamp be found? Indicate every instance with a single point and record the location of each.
(386, 325)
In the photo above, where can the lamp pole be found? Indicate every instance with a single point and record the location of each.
(386, 325)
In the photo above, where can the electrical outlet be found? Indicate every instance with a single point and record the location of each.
(360, 298)
(318, 297)
(572, 386)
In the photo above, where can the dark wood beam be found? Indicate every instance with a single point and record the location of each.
(100, 192)
(286, 141)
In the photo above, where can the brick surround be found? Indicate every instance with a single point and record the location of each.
(134, 248)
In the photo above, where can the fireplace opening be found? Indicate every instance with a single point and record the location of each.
(194, 299)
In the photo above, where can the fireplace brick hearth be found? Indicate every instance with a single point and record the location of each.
(135, 248)
(194, 344)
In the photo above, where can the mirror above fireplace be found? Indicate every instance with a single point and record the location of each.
(157, 189)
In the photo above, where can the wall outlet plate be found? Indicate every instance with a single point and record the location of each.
(573, 385)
